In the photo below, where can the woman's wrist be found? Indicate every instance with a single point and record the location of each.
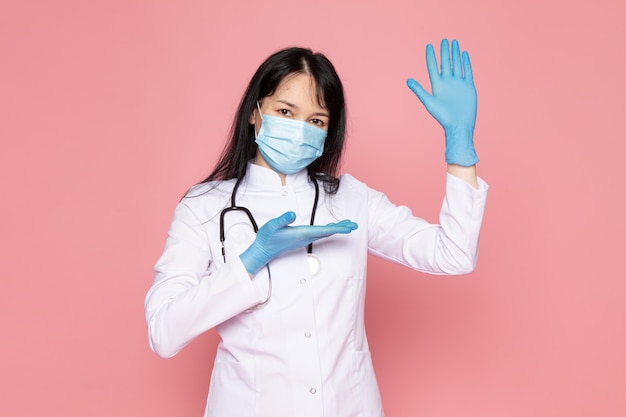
(467, 174)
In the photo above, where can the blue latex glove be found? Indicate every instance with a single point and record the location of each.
(453, 101)
(276, 237)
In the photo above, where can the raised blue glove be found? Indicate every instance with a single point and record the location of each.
(276, 237)
(453, 101)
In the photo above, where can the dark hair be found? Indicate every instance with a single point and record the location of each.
(241, 146)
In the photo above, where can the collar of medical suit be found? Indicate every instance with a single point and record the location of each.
(265, 178)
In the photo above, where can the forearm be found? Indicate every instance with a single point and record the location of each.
(467, 174)
(449, 248)
(179, 308)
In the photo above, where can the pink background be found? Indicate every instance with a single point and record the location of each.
(109, 110)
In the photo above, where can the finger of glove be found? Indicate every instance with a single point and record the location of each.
(307, 234)
(445, 58)
(343, 227)
(280, 221)
(467, 67)
(431, 64)
(457, 69)
(294, 237)
(419, 91)
(348, 223)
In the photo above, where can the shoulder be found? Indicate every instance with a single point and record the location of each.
(352, 187)
(351, 196)
(355, 190)
(349, 184)
(202, 189)
(206, 200)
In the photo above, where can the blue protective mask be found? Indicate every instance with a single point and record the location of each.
(288, 145)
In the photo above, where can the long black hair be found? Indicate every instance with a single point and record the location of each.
(241, 147)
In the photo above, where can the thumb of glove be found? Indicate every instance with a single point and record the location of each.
(281, 221)
(419, 91)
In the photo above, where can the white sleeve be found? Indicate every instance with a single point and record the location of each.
(188, 296)
(450, 247)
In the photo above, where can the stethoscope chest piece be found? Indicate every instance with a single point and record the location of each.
(314, 264)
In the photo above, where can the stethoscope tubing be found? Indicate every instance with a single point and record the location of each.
(234, 207)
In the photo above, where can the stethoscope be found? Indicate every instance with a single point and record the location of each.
(314, 262)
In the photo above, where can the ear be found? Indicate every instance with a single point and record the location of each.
(252, 119)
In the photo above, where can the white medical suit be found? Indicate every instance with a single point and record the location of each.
(305, 353)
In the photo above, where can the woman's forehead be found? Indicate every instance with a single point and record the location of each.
(299, 88)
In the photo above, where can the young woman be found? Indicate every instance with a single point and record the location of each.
(288, 299)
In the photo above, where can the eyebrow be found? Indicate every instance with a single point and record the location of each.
(289, 104)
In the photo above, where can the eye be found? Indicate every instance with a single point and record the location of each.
(318, 122)
(284, 112)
